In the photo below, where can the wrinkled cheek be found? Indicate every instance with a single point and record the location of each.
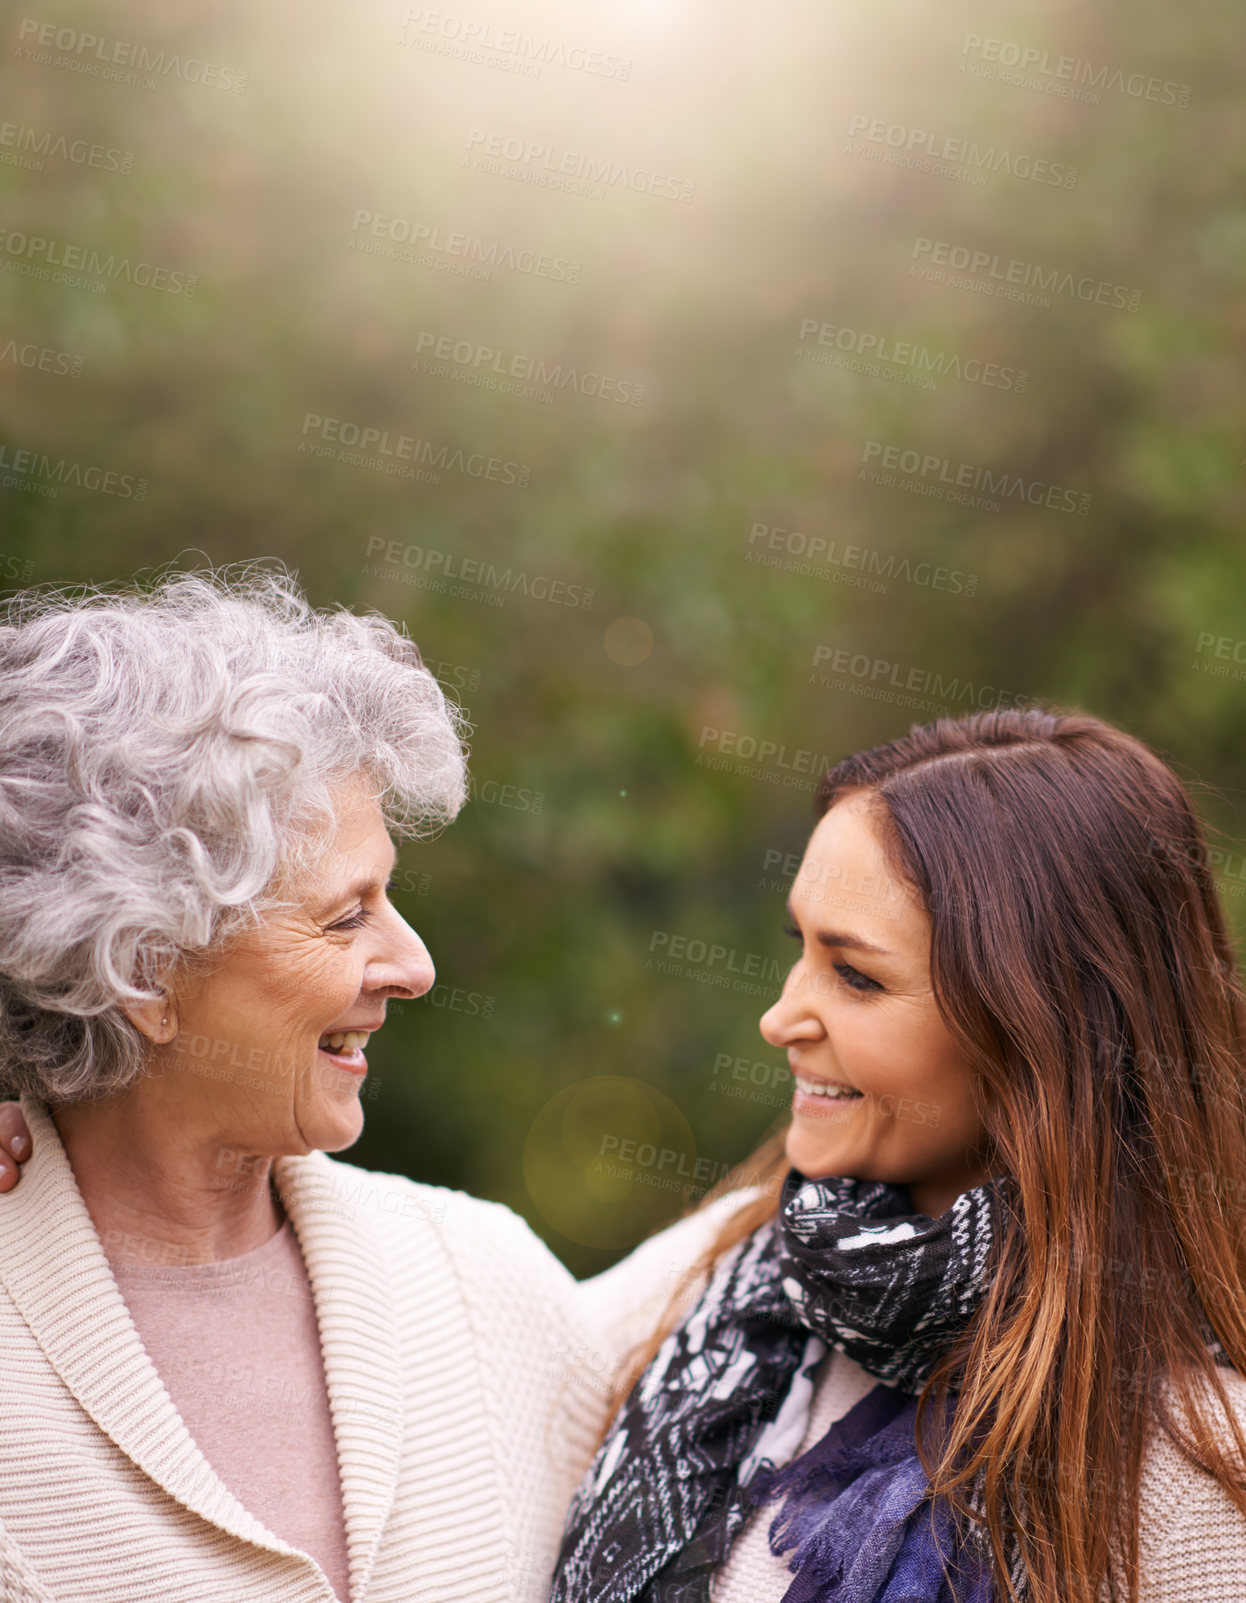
(306, 986)
(286, 1060)
(320, 1080)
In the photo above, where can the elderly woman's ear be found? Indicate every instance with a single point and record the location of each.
(15, 1145)
(155, 1018)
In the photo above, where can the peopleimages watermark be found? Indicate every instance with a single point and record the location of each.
(774, 762)
(518, 797)
(752, 1081)
(40, 358)
(451, 250)
(646, 1163)
(266, 1396)
(404, 455)
(747, 965)
(1227, 659)
(591, 1369)
(430, 569)
(82, 267)
(26, 469)
(227, 1061)
(456, 1000)
(524, 53)
(454, 675)
(112, 59)
(963, 483)
(1179, 862)
(531, 161)
(950, 156)
(826, 883)
(860, 567)
(833, 345)
(357, 1188)
(1066, 76)
(880, 679)
(411, 881)
(529, 377)
(1031, 283)
(29, 147)
(20, 568)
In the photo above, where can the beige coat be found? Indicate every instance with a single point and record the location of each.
(452, 1352)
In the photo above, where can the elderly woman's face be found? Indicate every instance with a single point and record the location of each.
(882, 1091)
(273, 1037)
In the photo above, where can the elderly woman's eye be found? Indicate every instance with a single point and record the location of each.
(353, 922)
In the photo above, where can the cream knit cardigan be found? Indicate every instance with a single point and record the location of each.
(458, 1376)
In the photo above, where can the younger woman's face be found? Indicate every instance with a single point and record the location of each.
(882, 1089)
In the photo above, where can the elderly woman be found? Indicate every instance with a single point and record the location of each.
(235, 1368)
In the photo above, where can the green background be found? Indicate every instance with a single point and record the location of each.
(554, 1033)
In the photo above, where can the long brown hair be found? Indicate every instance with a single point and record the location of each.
(1079, 956)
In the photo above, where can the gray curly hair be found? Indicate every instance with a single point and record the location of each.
(167, 761)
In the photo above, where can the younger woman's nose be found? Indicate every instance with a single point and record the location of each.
(791, 1019)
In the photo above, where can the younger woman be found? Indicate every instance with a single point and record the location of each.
(982, 1334)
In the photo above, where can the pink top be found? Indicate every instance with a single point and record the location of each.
(237, 1346)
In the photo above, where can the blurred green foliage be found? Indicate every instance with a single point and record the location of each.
(542, 914)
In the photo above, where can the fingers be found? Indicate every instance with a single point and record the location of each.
(15, 1144)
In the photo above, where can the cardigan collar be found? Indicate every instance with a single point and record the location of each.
(52, 1263)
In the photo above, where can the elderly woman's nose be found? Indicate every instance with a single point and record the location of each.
(403, 965)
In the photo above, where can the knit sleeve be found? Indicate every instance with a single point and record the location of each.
(547, 1378)
(1192, 1534)
(627, 1301)
(1202, 1558)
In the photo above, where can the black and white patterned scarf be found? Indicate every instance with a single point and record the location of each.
(709, 1428)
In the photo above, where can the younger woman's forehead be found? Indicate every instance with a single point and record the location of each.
(846, 883)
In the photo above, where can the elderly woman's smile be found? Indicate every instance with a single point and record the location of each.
(345, 1047)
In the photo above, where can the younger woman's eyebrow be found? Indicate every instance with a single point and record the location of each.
(856, 943)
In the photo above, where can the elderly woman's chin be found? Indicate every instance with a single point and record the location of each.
(330, 1115)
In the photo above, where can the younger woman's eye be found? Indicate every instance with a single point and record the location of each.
(790, 929)
(854, 979)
